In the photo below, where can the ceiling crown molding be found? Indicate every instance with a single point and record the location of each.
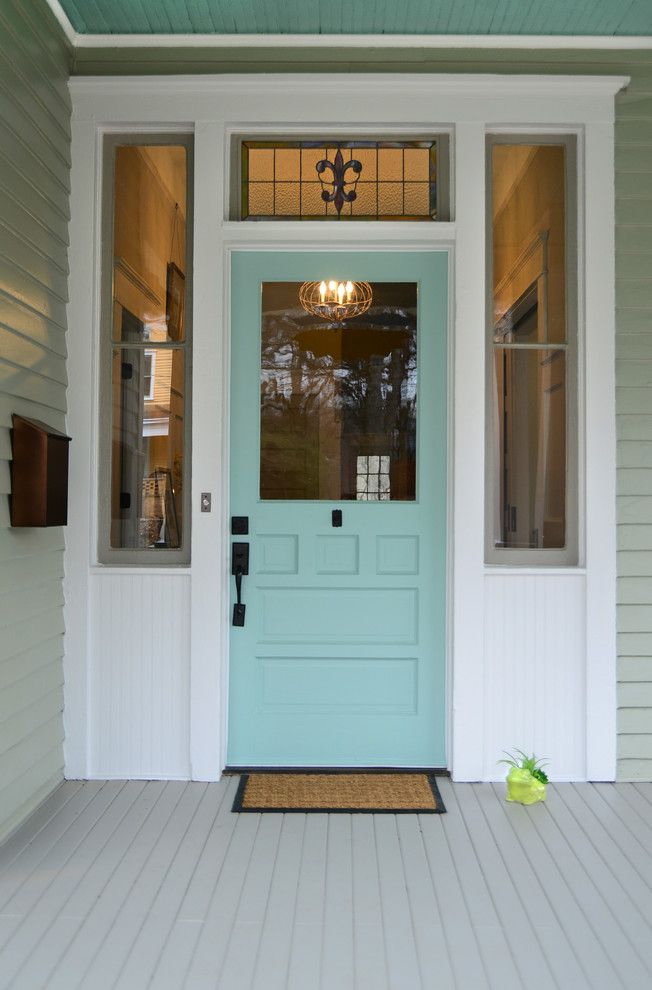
(349, 41)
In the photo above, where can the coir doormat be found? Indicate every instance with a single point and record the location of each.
(410, 792)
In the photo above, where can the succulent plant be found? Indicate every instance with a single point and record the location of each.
(521, 761)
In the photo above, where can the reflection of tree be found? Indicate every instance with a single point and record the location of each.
(363, 373)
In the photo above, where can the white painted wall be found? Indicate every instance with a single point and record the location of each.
(138, 710)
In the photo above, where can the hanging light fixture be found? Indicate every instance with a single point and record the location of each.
(333, 300)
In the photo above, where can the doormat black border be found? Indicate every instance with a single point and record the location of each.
(238, 808)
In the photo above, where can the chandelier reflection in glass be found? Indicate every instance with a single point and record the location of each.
(335, 301)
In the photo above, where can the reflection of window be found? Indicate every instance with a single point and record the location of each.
(372, 483)
(531, 500)
(388, 180)
(148, 375)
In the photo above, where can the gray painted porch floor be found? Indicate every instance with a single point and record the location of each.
(140, 884)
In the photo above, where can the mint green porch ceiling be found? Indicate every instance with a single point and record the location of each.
(618, 18)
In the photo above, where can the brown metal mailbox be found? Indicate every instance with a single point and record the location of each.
(39, 474)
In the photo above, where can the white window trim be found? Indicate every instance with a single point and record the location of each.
(468, 107)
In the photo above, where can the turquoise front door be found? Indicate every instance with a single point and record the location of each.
(338, 461)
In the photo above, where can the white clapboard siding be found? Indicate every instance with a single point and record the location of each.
(34, 192)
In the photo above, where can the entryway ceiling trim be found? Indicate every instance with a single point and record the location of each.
(349, 41)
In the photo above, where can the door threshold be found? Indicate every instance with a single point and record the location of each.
(232, 771)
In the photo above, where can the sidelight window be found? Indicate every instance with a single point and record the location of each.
(531, 447)
(144, 476)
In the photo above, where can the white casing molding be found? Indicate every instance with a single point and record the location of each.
(484, 654)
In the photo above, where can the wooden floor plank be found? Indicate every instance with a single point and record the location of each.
(197, 898)
(574, 953)
(100, 894)
(305, 955)
(535, 904)
(51, 892)
(25, 891)
(464, 951)
(17, 843)
(160, 885)
(400, 944)
(102, 944)
(173, 968)
(426, 909)
(595, 888)
(370, 964)
(634, 841)
(632, 868)
(88, 801)
(632, 808)
(337, 967)
(177, 952)
(477, 866)
(153, 936)
(237, 971)
(209, 953)
(273, 956)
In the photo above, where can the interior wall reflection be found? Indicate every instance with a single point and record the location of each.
(149, 342)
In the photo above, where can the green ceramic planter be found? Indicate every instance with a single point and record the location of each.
(524, 788)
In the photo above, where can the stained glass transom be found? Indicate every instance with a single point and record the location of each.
(376, 180)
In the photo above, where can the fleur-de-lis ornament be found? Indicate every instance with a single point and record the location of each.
(338, 195)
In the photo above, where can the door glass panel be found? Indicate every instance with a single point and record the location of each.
(338, 399)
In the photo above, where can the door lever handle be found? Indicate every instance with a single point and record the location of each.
(238, 608)
(239, 567)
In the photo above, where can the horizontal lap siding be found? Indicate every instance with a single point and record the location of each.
(34, 196)
(634, 422)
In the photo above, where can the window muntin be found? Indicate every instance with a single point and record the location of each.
(144, 476)
(338, 402)
(381, 180)
(531, 444)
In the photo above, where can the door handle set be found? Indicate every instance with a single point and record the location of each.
(239, 568)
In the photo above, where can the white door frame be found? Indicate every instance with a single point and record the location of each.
(466, 107)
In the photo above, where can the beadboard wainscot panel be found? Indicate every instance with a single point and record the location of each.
(139, 692)
(34, 211)
(535, 671)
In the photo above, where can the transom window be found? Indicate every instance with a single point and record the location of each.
(342, 180)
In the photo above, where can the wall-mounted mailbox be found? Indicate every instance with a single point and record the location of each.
(39, 474)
